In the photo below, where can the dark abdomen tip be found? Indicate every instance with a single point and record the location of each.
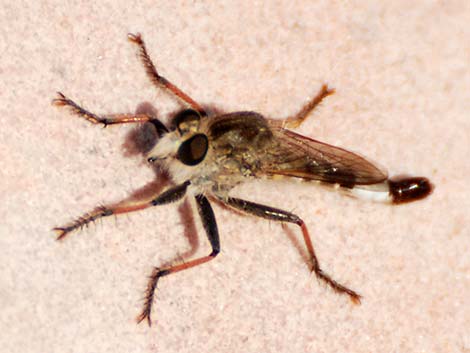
(410, 189)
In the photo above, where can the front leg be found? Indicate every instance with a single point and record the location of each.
(278, 215)
(113, 119)
(171, 195)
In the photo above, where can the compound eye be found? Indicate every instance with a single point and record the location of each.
(186, 120)
(193, 150)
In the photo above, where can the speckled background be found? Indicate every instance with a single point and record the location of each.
(402, 76)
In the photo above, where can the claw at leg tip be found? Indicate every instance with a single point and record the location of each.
(356, 300)
(142, 317)
(59, 100)
(60, 232)
(134, 37)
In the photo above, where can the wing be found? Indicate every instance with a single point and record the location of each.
(298, 156)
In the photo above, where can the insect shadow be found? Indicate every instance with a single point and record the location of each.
(139, 141)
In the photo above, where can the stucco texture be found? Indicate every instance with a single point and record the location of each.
(402, 79)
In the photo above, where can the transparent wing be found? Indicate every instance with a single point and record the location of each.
(298, 156)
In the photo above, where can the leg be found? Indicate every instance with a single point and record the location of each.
(210, 226)
(108, 120)
(160, 80)
(296, 120)
(171, 195)
(275, 214)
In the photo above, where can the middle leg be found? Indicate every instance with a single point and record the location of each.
(159, 80)
(275, 214)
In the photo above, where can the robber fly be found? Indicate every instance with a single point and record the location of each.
(207, 156)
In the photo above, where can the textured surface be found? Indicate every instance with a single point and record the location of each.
(402, 79)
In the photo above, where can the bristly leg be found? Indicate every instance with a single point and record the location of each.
(160, 80)
(171, 195)
(275, 214)
(113, 119)
(84, 220)
(210, 226)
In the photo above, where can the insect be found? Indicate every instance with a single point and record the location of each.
(207, 156)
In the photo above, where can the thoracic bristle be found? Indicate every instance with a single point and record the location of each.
(410, 189)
